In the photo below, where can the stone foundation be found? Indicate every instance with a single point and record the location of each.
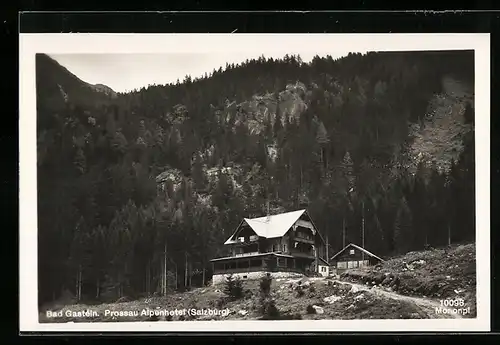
(221, 278)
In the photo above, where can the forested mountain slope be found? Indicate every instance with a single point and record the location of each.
(125, 178)
(56, 85)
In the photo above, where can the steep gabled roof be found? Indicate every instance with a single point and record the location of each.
(270, 226)
(359, 248)
(274, 226)
(323, 260)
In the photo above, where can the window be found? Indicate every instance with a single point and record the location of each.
(284, 247)
(323, 269)
(363, 263)
(342, 264)
(351, 252)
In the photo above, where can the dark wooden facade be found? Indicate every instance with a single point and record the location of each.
(353, 256)
(269, 262)
(298, 249)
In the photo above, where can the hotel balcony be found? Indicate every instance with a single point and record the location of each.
(245, 254)
(308, 255)
(303, 240)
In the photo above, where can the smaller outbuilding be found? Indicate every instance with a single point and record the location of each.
(352, 256)
(323, 267)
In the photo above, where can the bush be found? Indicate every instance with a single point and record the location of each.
(233, 287)
(269, 310)
(123, 299)
(469, 114)
(310, 309)
(268, 307)
(220, 302)
(248, 293)
(265, 284)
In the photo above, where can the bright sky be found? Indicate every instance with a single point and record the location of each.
(125, 72)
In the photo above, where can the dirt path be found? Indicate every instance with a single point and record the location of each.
(427, 305)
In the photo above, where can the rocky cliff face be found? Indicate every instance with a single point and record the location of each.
(105, 89)
(436, 142)
(254, 114)
(439, 140)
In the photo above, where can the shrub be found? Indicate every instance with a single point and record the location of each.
(248, 293)
(220, 302)
(310, 309)
(468, 113)
(233, 287)
(123, 299)
(269, 310)
(265, 284)
(268, 307)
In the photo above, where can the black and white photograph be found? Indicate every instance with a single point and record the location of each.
(291, 182)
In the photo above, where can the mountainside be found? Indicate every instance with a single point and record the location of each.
(382, 141)
(57, 87)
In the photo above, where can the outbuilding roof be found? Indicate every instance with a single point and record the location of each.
(357, 247)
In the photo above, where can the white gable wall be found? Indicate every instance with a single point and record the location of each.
(324, 270)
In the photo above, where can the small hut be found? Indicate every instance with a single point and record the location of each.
(352, 256)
